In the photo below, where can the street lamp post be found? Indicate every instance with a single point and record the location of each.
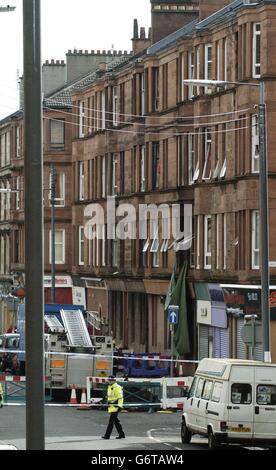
(263, 180)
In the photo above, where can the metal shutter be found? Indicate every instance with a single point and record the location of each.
(241, 348)
(258, 352)
(203, 337)
(221, 342)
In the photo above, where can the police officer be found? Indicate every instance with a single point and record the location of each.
(115, 401)
(1, 395)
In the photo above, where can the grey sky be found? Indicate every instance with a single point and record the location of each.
(65, 24)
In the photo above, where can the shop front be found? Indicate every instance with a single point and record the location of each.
(212, 326)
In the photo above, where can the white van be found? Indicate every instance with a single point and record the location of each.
(231, 400)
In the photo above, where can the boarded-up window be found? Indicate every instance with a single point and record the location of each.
(57, 134)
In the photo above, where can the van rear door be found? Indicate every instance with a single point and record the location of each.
(240, 403)
(265, 403)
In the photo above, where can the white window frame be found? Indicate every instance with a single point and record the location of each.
(217, 240)
(207, 65)
(103, 110)
(255, 254)
(115, 105)
(103, 245)
(218, 51)
(223, 169)
(224, 241)
(225, 45)
(256, 72)
(115, 163)
(142, 93)
(81, 181)
(182, 76)
(17, 194)
(255, 144)
(207, 254)
(62, 261)
(103, 175)
(81, 245)
(198, 67)
(191, 157)
(207, 153)
(191, 73)
(81, 118)
(198, 242)
(142, 168)
(18, 141)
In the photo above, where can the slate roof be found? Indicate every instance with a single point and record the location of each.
(62, 98)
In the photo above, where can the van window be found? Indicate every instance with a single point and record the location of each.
(266, 394)
(193, 387)
(241, 394)
(216, 392)
(199, 388)
(207, 389)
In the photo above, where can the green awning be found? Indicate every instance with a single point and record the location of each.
(202, 291)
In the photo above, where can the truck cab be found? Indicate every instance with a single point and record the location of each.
(9, 358)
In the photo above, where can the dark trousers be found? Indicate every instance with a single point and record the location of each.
(113, 419)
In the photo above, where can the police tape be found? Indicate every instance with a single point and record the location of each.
(156, 357)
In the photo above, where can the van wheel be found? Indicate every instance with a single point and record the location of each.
(186, 435)
(212, 442)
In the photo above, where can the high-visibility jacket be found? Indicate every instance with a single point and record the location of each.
(114, 397)
(1, 394)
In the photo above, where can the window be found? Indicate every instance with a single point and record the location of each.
(224, 240)
(81, 118)
(207, 389)
(198, 242)
(59, 189)
(81, 181)
(255, 240)
(207, 155)
(192, 172)
(266, 395)
(114, 249)
(255, 145)
(181, 77)
(142, 169)
(199, 388)
(103, 110)
(208, 65)
(193, 387)
(57, 134)
(104, 176)
(18, 141)
(241, 394)
(115, 106)
(180, 161)
(155, 88)
(256, 62)
(216, 393)
(114, 176)
(155, 165)
(59, 247)
(81, 246)
(142, 93)
(17, 194)
(207, 241)
(155, 246)
(191, 61)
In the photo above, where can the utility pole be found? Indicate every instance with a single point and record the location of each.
(53, 247)
(34, 249)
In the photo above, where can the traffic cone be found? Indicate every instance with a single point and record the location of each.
(83, 403)
(73, 399)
